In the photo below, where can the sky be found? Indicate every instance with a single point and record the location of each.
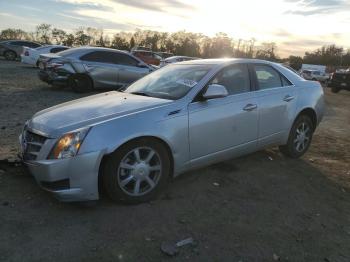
(295, 25)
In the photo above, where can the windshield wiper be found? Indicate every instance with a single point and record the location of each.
(140, 93)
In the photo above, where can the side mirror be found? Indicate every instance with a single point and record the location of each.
(142, 65)
(215, 91)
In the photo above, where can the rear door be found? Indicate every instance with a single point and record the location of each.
(219, 126)
(129, 69)
(101, 66)
(276, 98)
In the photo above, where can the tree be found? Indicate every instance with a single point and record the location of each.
(43, 33)
(119, 42)
(58, 35)
(295, 62)
(267, 51)
(326, 55)
(81, 38)
(132, 42)
(69, 40)
(13, 33)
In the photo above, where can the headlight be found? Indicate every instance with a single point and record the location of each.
(68, 145)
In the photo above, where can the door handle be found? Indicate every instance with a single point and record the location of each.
(250, 107)
(288, 98)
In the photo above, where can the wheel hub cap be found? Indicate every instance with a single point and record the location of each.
(302, 138)
(139, 171)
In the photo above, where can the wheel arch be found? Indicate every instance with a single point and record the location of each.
(150, 137)
(310, 112)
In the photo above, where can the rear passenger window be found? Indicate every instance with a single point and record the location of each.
(110, 58)
(235, 78)
(126, 60)
(98, 56)
(267, 77)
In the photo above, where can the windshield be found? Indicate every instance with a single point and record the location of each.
(170, 82)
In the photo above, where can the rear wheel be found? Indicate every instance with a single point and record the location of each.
(10, 55)
(80, 83)
(300, 137)
(137, 171)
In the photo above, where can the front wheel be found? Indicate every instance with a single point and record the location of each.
(299, 138)
(137, 171)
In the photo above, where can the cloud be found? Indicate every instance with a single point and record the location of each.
(317, 7)
(156, 5)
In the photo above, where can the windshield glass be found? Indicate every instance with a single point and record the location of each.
(170, 82)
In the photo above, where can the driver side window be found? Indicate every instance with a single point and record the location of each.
(235, 78)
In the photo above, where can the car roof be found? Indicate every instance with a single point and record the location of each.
(221, 61)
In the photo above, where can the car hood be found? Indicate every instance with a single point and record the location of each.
(66, 117)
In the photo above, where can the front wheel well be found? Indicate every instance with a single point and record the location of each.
(310, 113)
(104, 158)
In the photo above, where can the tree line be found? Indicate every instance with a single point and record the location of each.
(179, 43)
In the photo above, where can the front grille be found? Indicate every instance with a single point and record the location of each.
(32, 145)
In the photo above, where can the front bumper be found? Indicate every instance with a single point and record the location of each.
(71, 179)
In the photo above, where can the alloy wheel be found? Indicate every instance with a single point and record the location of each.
(302, 137)
(139, 171)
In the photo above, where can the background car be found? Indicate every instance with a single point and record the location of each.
(31, 55)
(182, 116)
(339, 80)
(175, 59)
(87, 68)
(314, 75)
(149, 57)
(164, 55)
(12, 49)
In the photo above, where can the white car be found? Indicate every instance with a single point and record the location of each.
(31, 55)
(314, 75)
(175, 59)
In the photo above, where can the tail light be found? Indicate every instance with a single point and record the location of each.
(55, 65)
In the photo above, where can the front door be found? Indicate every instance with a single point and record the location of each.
(219, 126)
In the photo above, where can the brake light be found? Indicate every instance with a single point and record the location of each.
(55, 65)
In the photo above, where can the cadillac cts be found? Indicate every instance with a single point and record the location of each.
(183, 116)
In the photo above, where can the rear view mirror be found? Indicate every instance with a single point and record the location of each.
(215, 91)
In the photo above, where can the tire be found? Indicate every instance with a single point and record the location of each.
(80, 83)
(10, 55)
(122, 171)
(335, 89)
(297, 143)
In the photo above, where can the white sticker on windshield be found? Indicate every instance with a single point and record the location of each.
(187, 82)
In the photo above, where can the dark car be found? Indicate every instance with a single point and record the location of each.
(87, 68)
(149, 57)
(12, 49)
(340, 80)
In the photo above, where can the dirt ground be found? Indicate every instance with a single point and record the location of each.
(261, 207)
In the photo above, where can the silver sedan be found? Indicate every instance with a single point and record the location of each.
(183, 116)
